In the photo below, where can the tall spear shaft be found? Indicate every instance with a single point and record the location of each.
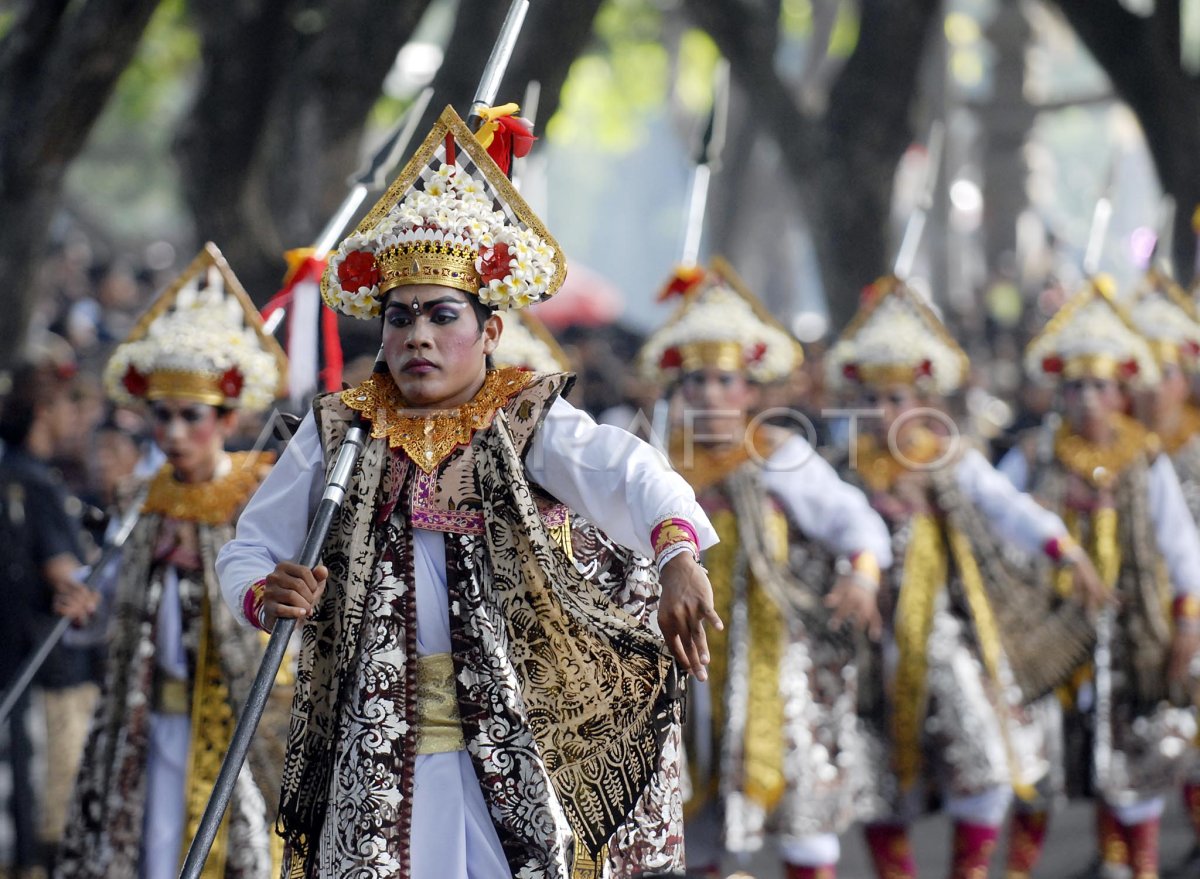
(707, 160)
(1101, 215)
(906, 256)
(371, 177)
(327, 512)
(25, 674)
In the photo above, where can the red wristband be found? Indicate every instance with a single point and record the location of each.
(252, 603)
(672, 532)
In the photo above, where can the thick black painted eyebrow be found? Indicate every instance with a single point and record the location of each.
(445, 300)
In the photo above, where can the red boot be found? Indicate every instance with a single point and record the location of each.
(1025, 843)
(973, 847)
(1110, 838)
(795, 871)
(1142, 840)
(1191, 801)
(891, 851)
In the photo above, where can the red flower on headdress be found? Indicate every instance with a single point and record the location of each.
(924, 369)
(1052, 365)
(756, 354)
(513, 138)
(493, 263)
(1128, 369)
(230, 383)
(682, 281)
(1191, 349)
(134, 382)
(850, 371)
(671, 359)
(357, 270)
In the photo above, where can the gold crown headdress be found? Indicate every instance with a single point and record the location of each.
(1166, 317)
(895, 337)
(201, 340)
(526, 344)
(1091, 335)
(721, 324)
(451, 218)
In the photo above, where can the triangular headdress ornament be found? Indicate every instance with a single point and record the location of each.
(1166, 317)
(451, 218)
(201, 340)
(526, 344)
(1091, 335)
(720, 324)
(895, 338)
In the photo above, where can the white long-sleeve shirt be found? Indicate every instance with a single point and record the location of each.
(825, 507)
(1014, 515)
(604, 473)
(1174, 530)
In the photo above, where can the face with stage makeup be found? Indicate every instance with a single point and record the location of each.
(1158, 406)
(717, 403)
(192, 435)
(436, 341)
(1089, 403)
(903, 412)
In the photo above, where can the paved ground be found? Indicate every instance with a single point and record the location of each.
(1069, 850)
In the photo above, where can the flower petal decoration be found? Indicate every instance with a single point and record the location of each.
(452, 217)
(719, 310)
(201, 339)
(895, 331)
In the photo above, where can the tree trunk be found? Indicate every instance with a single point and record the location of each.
(866, 130)
(1141, 57)
(277, 125)
(1007, 120)
(842, 162)
(58, 65)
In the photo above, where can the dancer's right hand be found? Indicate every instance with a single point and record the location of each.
(292, 592)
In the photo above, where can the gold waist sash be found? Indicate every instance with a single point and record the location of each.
(438, 728)
(170, 695)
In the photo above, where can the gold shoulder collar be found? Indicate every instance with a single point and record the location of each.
(215, 502)
(1101, 465)
(429, 439)
(1189, 426)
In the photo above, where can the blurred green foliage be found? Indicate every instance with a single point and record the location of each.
(127, 161)
(610, 91)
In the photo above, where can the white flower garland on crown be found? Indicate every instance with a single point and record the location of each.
(1157, 317)
(1094, 329)
(205, 334)
(521, 348)
(515, 264)
(721, 315)
(896, 335)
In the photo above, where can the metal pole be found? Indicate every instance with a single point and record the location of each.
(25, 674)
(370, 177)
(497, 63)
(906, 256)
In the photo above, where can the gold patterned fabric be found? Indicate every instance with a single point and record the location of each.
(215, 502)
(926, 567)
(439, 728)
(1102, 465)
(1187, 430)
(1148, 736)
(762, 745)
